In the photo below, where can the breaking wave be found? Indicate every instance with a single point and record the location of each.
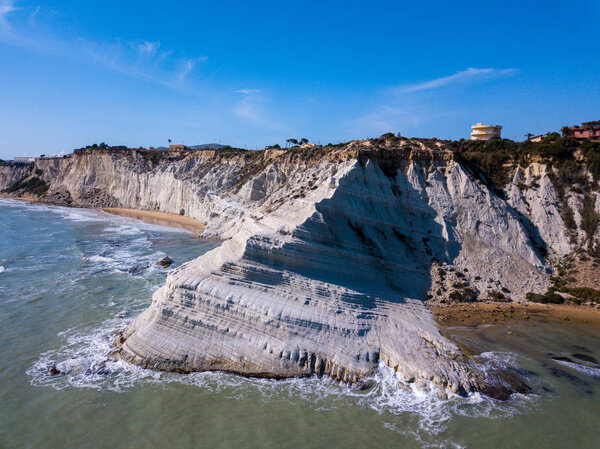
(85, 361)
(585, 369)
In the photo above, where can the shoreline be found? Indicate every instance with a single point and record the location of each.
(167, 219)
(159, 218)
(19, 198)
(475, 314)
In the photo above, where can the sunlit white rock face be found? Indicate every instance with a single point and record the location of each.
(537, 200)
(327, 254)
(326, 273)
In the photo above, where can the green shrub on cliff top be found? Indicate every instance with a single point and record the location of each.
(493, 160)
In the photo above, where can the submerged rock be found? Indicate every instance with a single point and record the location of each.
(501, 384)
(164, 262)
(575, 380)
(137, 269)
(366, 385)
(560, 358)
(585, 358)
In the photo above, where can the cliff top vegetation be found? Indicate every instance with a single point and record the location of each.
(493, 160)
(490, 160)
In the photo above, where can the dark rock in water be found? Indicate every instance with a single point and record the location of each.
(54, 371)
(525, 372)
(365, 385)
(500, 384)
(585, 358)
(559, 358)
(137, 269)
(575, 380)
(565, 375)
(164, 262)
(581, 349)
(102, 369)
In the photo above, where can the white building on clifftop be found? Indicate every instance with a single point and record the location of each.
(24, 159)
(485, 132)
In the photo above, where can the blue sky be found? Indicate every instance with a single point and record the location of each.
(256, 73)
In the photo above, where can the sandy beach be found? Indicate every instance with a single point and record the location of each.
(159, 218)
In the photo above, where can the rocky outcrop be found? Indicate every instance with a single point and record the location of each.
(11, 173)
(328, 254)
(532, 193)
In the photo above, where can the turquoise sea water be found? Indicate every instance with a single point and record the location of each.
(70, 279)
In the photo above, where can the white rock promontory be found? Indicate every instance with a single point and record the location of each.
(327, 257)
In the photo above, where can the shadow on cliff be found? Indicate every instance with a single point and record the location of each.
(538, 244)
(376, 235)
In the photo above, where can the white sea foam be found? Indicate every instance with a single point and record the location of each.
(100, 259)
(496, 359)
(1, 269)
(122, 230)
(14, 204)
(85, 361)
(125, 252)
(587, 370)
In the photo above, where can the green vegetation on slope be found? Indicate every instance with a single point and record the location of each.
(33, 185)
(493, 160)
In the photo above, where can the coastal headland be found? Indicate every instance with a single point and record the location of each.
(330, 253)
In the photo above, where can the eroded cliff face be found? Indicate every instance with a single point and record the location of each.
(11, 173)
(327, 256)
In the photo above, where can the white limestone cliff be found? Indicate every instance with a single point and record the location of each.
(327, 254)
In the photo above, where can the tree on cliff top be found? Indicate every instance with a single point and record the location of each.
(566, 131)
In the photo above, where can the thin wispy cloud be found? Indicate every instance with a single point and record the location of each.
(15, 35)
(146, 48)
(6, 7)
(142, 58)
(385, 118)
(405, 109)
(248, 91)
(187, 65)
(34, 14)
(251, 108)
(461, 77)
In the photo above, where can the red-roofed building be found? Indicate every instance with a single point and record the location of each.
(587, 130)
